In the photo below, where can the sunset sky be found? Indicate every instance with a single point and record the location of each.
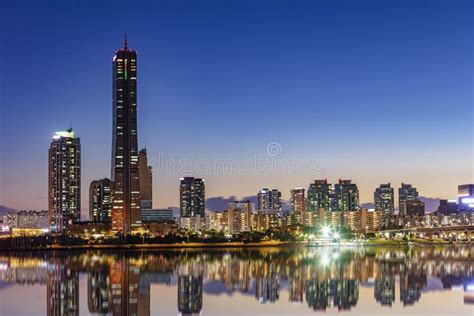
(278, 92)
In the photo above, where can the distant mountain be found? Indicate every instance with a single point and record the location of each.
(4, 209)
(431, 204)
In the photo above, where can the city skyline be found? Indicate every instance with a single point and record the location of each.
(180, 136)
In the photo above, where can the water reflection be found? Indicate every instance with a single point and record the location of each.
(118, 283)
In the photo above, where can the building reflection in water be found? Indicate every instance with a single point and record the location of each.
(119, 283)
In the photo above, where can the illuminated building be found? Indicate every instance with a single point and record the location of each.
(125, 175)
(192, 197)
(99, 292)
(347, 196)
(268, 209)
(407, 193)
(146, 182)
(384, 201)
(160, 215)
(269, 200)
(447, 207)
(190, 287)
(298, 205)
(320, 202)
(412, 207)
(64, 180)
(100, 201)
(217, 221)
(239, 216)
(320, 195)
(62, 291)
(384, 288)
(466, 197)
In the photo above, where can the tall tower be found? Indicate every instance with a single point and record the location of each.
(126, 213)
(64, 180)
(146, 188)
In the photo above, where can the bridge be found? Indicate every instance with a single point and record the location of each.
(448, 232)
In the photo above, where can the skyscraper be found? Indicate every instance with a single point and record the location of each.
(125, 176)
(100, 195)
(64, 180)
(347, 196)
(384, 202)
(192, 197)
(320, 196)
(298, 205)
(146, 184)
(407, 193)
(269, 200)
(239, 215)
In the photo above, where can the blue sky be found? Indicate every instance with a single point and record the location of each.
(375, 91)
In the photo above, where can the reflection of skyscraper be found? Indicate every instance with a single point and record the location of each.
(189, 294)
(318, 294)
(267, 288)
(99, 291)
(411, 284)
(296, 289)
(62, 291)
(126, 199)
(126, 296)
(384, 288)
(346, 293)
(64, 180)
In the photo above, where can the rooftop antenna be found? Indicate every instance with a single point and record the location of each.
(126, 42)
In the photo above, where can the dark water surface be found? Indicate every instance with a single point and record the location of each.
(425, 280)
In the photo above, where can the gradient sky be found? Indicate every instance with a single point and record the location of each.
(375, 91)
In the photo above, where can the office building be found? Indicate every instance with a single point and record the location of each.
(192, 197)
(412, 207)
(100, 201)
(125, 175)
(466, 197)
(64, 180)
(160, 215)
(146, 182)
(447, 207)
(384, 202)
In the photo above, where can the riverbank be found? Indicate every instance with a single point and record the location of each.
(263, 244)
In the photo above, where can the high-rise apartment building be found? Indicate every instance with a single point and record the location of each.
(192, 197)
(269, 200)
(125, 175)
(100, 201)
(384, 202)
(239, 216)
(347, 196)
(320, 196)
(298, 205)
(407, 193)
(64, 180)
